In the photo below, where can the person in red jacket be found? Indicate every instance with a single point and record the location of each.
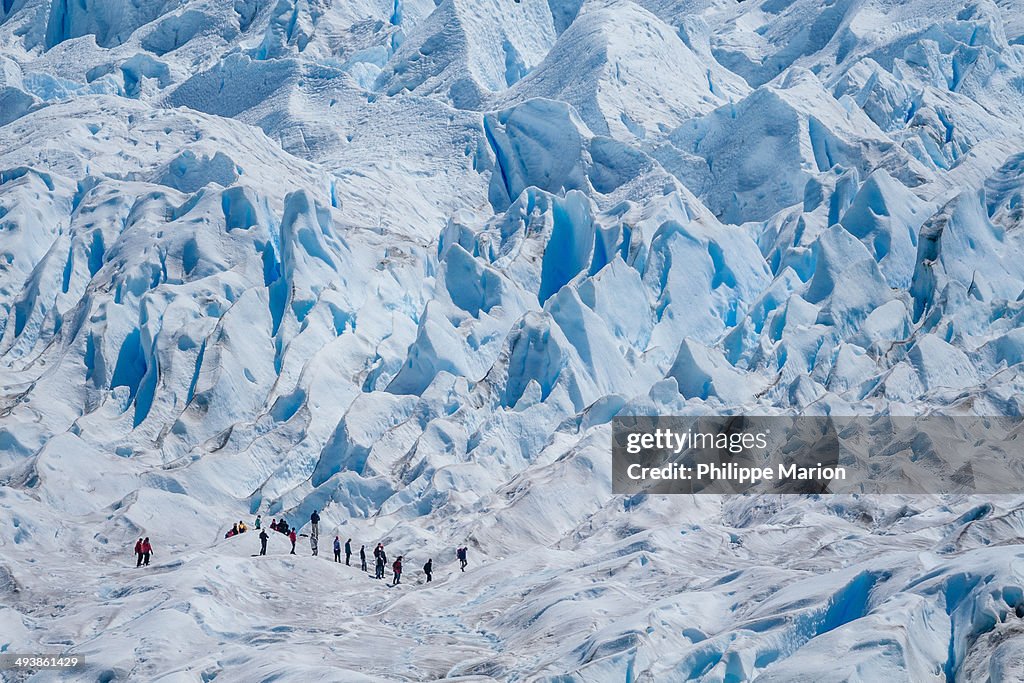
(147, 550)
(397, 568)
(291, 537)
(138, 553)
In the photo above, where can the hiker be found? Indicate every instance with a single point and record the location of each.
(241, 527)
(337, 549)
(282, 526)
(362, 557)
(292, 537)
(348, 552)
(138, 553)
(382, 559)
(273, 524)
(314, 545)
(315, 519)
(263, 541)
(397, 568)
(233, 531)
(461, 554)
(147, 550)
(428, 569)
(258, 521)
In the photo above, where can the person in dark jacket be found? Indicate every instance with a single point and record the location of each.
(428, 569)
(348, 552)
(263, 541)
(315, 521)
(362, 557)
(147, 550)
(397, 569)
(461, 554)
(138, 553)
(379, 567)
(337, 549)
(292, 537)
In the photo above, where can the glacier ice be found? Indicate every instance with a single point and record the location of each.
(402, 262)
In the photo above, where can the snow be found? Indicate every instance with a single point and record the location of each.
(402, 262)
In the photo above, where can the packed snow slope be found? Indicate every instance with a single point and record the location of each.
(402, 261)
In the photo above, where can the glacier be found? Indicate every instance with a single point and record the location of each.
(402, 262)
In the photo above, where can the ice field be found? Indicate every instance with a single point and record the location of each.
(402, 262)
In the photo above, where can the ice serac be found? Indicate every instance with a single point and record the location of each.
(110, 22)
(760, 51)
(847, 284)
(537, 354)
(537, 144)
(941, 365)
(544, 144)
(886, 216)
(1004, 193)
(699, 276)
(611, 366)
(605, 292)
(461, 332)
(758, 153)
(464, 51)
(981, 267)
(703, 373)
(15, 100)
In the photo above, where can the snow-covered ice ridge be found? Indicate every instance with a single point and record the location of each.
(402, 262)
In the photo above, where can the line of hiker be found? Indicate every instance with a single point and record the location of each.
(380, 556)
